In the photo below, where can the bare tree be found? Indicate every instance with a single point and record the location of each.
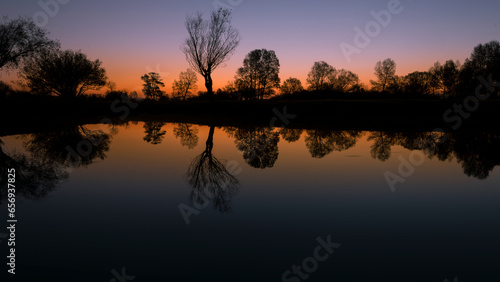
(385, 72)
(20, 39)
(210, 178)
(187, 82)
(210, 43)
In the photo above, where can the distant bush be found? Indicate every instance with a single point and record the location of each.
(115, 94)
(226, 95)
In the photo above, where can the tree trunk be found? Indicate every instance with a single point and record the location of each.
(210, 140)
(208, 85)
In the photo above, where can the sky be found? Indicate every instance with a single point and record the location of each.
(133, 37)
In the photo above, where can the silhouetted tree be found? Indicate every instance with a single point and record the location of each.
(73, 147)
(259, 146)
(381, 147)
(261, 72)
(343, 81)
(229, 91)
(483, 62)
(291, 135)
(433, 144)
(210, 43)
(188, 135)
(210, 179)
(244, 88)
(20, 39)
(291, 85)
(133, 95)
(36, 175)
(417, 83)
(434, 78)
(67, 73)
(151, 86)
(111, 85)
(322, 142)
(186, 83)
(385, 72)
(229, 87)
(396, 85)
(154, 134)
(450, 74)
(478, 153)
(318, 76)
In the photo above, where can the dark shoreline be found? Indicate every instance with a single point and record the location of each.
(36, 115)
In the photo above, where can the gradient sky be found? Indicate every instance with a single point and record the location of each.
(132, 38)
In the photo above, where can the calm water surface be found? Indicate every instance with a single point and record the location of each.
(180, 202)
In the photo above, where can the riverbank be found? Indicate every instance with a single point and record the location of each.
(41, 114)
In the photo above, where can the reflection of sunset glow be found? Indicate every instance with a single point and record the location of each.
(343, 193)
(336, 169)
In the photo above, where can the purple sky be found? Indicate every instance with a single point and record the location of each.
(135, 37)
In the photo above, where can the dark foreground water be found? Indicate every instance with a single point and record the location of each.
(177, 202)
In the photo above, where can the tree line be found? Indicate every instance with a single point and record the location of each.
(45, 159)
(47, 70)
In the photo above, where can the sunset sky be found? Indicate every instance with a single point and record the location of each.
(132, 38)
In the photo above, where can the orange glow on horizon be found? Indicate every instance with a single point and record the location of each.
(130, 80)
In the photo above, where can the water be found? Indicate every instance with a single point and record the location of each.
(178, 202)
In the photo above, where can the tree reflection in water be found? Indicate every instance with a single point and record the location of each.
(43, 164)
(259, 145)
(47, 156)
(477, 152)
(187, 134)
(291, 135)
(154, 134)
(36, 176)
(210, 179)
(323, 142)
